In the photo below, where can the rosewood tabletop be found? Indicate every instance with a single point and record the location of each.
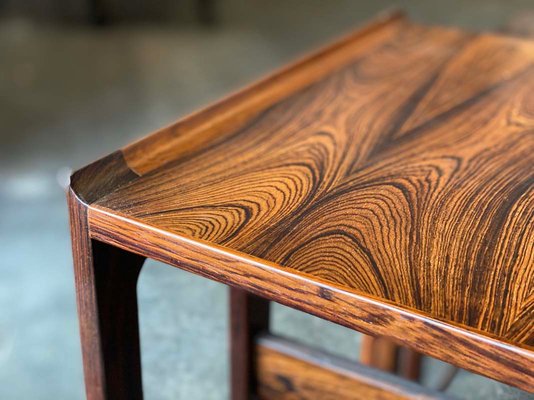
(385, 183)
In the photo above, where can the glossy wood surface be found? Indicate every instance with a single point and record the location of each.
(385, 183)
(290, 371)
(106, 280)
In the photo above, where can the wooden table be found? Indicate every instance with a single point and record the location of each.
(385, 183)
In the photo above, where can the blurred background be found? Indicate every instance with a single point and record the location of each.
(80, 78)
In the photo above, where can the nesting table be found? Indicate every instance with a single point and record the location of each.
(385, 183)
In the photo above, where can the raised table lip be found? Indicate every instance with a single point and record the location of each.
(371, 30)
(110, 172)
(115, 171)
(392, 18)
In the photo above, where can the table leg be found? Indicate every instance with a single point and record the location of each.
(249, 316)
(410, 364)
(379, 353)
(106, 280)
(384, 354)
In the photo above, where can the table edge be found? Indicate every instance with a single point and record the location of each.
(462, 346)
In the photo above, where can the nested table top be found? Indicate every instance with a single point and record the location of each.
(396, 165)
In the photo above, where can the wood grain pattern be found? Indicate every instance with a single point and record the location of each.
(386, 184)
(472, 350)
(193, 133)
(290, 371)
(106, 280)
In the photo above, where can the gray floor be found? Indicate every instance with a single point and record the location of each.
(69, 95)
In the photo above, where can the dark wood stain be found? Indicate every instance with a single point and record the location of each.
(106, 279)
(249, 317)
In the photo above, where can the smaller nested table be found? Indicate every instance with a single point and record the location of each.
(385, 183)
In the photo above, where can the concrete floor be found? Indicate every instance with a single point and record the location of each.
(69, 95)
